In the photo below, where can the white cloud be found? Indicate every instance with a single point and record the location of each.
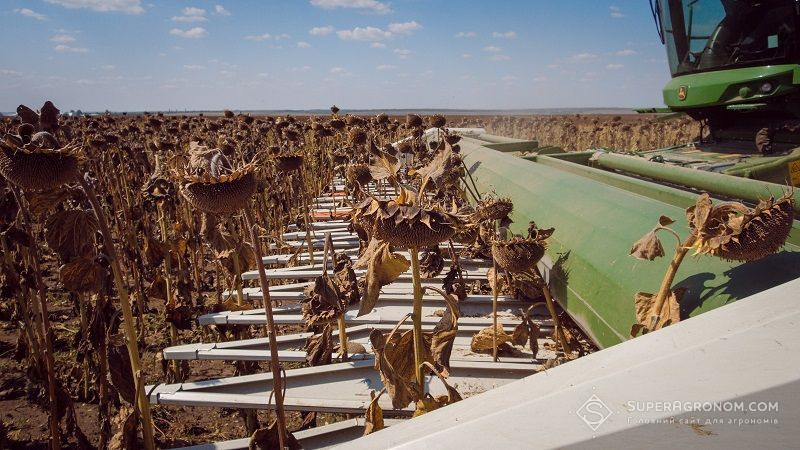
(626, 52)
(368, 34)
(303, 44)
(615, 12)
(505, 34)
(552, 66)
(615, 66)
(61, 48)
(466, 55)
(191, 14)
(62, 39)
(404, 28)
(492, 49)
(377, 45)
(258, 37)
(191, 33)
(124, 6)
(466, 34)
(386, 67)
(371, 5)
(582, 57)
(193, 67)
(30, 13)
(221, 11)
(301, 69)
(341, 71)
(10, 73)
(402, 53)
(539, 79)
(262, 75)
(499, 57)
(509, 78)
(278, 37)
(321, 31)
(108, 67)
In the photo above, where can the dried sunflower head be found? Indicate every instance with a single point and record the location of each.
(289, 163)
(493, 209)
(41, 164)
(735, 232)
(358, 173)
(213, 185)
(402, 223)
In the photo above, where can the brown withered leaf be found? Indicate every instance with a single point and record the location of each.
(400, 389)
(158, 289)
(431, 263)
(373, 420)
(443, 335)
(697, 215)
(42, 202)
(399, 352)
(82, 274)
(648, 247)
(501, 281)
(645, 304)
(383, 267)
(322, 302)
(70, 233)
(426, 404)
(482, 340)
(154, 250)
(179, 315)
(18, 236)
(385, 166)
(435, 169)
(119, 367)
(268, 439)
(521, 333)
(319, 347)
(125, 436)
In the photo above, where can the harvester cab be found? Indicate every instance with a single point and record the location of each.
(735, 67)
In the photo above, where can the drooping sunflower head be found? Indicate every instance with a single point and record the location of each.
(41, 163)
(213, 185)
(735, 232)
(401, 222)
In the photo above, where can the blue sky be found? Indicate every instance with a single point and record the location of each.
(306, 54)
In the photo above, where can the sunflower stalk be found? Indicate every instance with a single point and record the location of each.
(275, 364)
(341, 323)
(417, 316)
(130, 333)
(43, 327)
(666, 283)
(173, 331)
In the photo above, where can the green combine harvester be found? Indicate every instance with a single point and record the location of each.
(736, 69)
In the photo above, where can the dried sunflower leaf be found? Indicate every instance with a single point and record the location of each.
(665, 221)
(400, 390)
(82, 274)
(70, 233)
(119, 365)
(482, 340)
(319, 348)
(383, 267)
(698, 215)
(385, 166)
(373, 420)
(648, 247)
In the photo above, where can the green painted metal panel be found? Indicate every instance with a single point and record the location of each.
(597, 217)
(722, 86)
